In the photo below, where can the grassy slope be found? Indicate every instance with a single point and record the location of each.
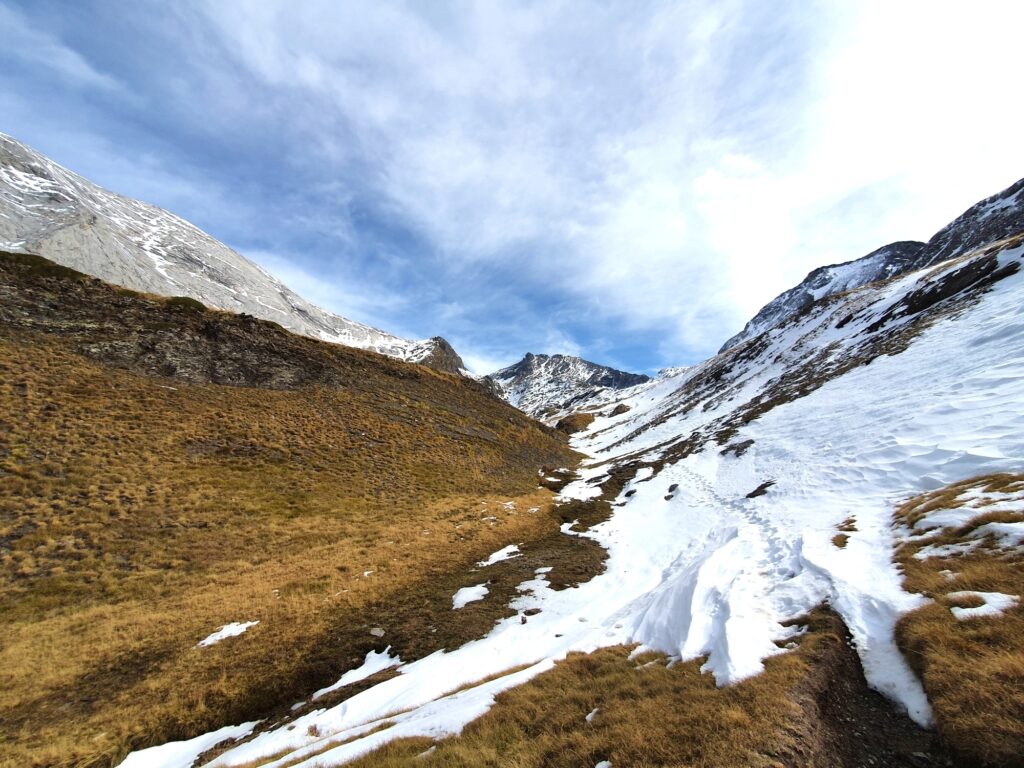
(140, 512)
(648, 713)
(973, 670)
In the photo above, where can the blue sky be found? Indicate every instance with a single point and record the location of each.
(626, 181)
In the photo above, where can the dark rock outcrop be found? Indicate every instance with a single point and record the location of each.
(539, 384)
(994, 218)
(442, 357)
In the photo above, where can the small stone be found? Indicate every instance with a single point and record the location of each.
(377, 632)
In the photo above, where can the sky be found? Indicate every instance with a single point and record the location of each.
(625, 181)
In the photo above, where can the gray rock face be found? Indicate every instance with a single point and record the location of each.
(541, 383)
(887, 261)
(47, 210)
(992, 219)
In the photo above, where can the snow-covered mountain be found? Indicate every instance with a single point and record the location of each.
(546, 385)
(728, 482)
(47, 210)
(993, 218)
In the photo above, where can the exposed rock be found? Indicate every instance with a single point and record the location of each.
(737, 449)
(761, 490)
(547, 385)
(995, 218)
(438, 354)
(46, 209)
(574, 423)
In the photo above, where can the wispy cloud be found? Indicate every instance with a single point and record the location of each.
(37, 47)
(628, 181)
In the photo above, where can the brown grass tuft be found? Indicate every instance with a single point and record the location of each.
(139, 512)
(652, 715)
(972, 670)
(575, 422)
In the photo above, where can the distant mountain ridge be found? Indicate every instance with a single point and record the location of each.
(544, 384)
(46, 209)
(735, 499)
(991, 219)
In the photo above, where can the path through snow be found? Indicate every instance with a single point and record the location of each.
(704, 571)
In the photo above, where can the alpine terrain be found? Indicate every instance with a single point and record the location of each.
(544, 385)
(986, 222)
(225, 544)
(49, 211)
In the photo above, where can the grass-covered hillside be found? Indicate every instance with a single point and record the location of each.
(166, 470)
(962, 548)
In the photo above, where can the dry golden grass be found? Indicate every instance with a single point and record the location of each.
(575, 422)
(848, 526)
(138, 514)
(647, 715)
(972, 670)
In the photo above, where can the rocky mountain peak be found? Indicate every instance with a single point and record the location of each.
(49, 211)
(993, 219)
(546, 384)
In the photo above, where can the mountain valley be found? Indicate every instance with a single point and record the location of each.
(238, 530)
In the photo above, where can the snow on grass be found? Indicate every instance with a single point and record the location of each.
(469, 595)
(375, 662)
(994, 604)
(233, 629)
(182, 754)
(973, 502)
(968, 505)
(505, 553)
(1007, 534)
(713, 574)
(946, 550)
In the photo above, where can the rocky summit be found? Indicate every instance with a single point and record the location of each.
(49, 211)
(545, 385)
(992, 219)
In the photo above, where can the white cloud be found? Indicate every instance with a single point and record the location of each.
(41, 49)
(338, 293)
(484, 363)
(661, 170)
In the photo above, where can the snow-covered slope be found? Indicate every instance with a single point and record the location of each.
(729, 481)
(543, 385)
(890, 260)
(993, 218)
(47, 210)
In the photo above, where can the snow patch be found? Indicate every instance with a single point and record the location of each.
(505, 553)
(182, 754)
(234, 629)
(375, 662)
(994, 605)
(469, 595)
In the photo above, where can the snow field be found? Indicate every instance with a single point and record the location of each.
(709, 573)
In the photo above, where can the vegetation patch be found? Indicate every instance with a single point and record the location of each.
(186, 302)
(576, 422)
(644, 711)
(38, 267)
(156, 484)
(848, 526)
(972, 669)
